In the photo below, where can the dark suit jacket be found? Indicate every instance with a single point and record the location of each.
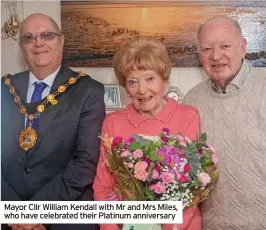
(62, 164)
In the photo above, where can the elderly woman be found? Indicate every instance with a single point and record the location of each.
(142, 66)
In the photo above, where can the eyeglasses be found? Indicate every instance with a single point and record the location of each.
(45, 36)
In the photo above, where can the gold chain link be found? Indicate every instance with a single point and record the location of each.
(49, 99)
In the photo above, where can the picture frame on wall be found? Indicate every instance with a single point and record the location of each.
(112, 97)
(101, 27)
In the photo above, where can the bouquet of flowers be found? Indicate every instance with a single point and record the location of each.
(163, 167)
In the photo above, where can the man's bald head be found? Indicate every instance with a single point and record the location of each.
(221, 20)
(38, 16)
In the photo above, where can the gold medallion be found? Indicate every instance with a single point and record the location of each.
(27, 138)
(82, 74)
(61, 88)
(50, 97)
(12, 90)
(7, 81)
(40, 108)
(17, 99)
(72, 80)
(22, 110)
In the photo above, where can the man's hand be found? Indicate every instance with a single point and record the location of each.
(27, 227)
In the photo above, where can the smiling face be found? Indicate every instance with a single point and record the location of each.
(221, 50)
(40, 54)
(146, 89)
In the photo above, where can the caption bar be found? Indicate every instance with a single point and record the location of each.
(124, 212)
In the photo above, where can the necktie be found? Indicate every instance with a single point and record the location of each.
(37, 96)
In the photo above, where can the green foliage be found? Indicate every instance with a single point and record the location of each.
(206, 161)
(152, 164)
(137, 138)
(149, 195)
(191, 149)
(134, 146)
(144, 142)
(203, 137)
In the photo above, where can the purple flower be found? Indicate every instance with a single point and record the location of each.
(169, 155)
(128, 141)
(166, 130)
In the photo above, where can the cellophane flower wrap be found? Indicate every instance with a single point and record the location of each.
(163, 167)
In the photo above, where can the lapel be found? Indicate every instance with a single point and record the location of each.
(51, 110)
(20, 82)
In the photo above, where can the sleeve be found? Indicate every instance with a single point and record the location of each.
(193, 126)
(104, 182)
(81, 169)
(187, 98)
(7, 192)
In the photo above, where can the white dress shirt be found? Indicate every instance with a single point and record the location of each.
(48, 80)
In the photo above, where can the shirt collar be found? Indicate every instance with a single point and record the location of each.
(48, 80)
(237, 81)
(164, 116)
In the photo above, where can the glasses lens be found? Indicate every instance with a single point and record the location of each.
(46, 36)
(27, 39)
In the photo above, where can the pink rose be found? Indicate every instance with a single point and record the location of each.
(204, 178)
(155, 174)
(137, 153)
(141, 175)
(130, 165)
(125, 153)
(158, 188)
(152, 187)
(141, 166)
(215, 158)
(167, 177)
